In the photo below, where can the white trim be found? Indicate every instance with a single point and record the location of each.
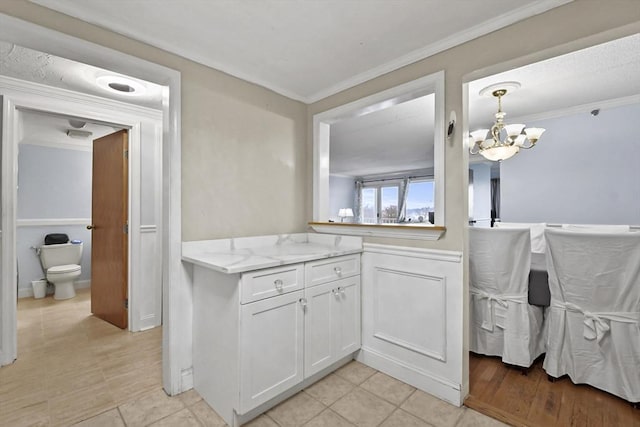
(90, 101)
(39, 222)
(483, 28)
(412, 375)
(8, 266)
(441, 354)
(175, 290)
(28, 292)
(433, 83)
(412, 232)
(472, 33)
(82, 146)
(406, 251)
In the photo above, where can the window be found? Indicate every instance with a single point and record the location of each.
(420, 206)
(381, 202)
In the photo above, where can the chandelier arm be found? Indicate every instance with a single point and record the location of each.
(531, 145)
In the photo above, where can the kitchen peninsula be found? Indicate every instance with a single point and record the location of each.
(271, 315)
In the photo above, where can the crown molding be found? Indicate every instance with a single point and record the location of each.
(459, 38)
(33, 88)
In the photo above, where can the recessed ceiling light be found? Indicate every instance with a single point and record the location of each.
(121, 85)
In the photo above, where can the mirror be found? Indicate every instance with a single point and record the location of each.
(379, 160)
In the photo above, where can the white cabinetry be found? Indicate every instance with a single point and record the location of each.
(272, 341)
(332, 321)
(262, 335)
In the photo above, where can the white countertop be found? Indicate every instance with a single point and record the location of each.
(238, 255)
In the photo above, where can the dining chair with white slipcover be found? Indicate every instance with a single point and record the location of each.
(502, 321)
(593, 320)
(538, 246)
(597, 228)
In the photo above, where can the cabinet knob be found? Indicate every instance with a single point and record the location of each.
(338, 270)
(303, 303)
(278, 284)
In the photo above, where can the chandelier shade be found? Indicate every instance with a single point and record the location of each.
(503, 140)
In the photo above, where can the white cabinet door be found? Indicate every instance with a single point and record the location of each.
(332, 323)
(271, 348)
(319, 340)
(346, 322)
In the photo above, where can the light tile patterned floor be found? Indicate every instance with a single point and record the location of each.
(74, 369)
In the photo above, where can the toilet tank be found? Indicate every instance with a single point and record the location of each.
(63, 254)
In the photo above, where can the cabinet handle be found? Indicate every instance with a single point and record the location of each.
(278, 284)
(303, 303)
(338, 270)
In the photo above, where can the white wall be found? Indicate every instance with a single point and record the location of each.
(54, 184)
(584, 169)
(342, 195)
(481, 194)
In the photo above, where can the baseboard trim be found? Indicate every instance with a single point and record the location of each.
(422, 380)
(28, 292)
(186, 380)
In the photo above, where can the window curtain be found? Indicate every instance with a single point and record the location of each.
(402, 197)
(358, 202)
(495, 200)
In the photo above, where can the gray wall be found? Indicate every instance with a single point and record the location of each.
(342, 195)
(481, 209)
(53, 184)
(584, 170)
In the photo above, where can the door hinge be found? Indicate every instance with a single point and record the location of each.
(126, 154)
(126, 303)
(125, 228)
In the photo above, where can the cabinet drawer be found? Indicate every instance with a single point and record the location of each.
(260, 284)
(327, 270)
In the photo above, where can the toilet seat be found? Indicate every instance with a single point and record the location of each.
(63, 269)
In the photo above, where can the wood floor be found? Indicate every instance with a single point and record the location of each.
(504, 393)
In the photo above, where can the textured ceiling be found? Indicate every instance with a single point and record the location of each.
(51, 129)
(395, 140)
(398, 138)
(303, 49)
(38, 67)
(587, 77)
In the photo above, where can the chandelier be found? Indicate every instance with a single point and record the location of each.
(502, 141)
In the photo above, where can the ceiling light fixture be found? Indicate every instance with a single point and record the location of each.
(80, 134)
(495, 147)
(121, 85)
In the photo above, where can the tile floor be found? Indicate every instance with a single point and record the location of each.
(74, 369)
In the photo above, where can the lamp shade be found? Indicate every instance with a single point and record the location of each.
(534, 134)
(496, 154)
(345, 212)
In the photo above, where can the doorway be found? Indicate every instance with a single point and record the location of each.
(168, 242)
(573, 106)
(143, 157)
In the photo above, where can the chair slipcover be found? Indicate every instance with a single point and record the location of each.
(593, 320)
(597, 228)
(502, 321)
(538, 244)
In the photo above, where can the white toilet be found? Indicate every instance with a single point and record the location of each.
(62, 266)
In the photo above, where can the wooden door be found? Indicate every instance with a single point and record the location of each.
(109, 233)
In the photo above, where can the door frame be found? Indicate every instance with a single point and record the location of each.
(176, 295)
(142, 124)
